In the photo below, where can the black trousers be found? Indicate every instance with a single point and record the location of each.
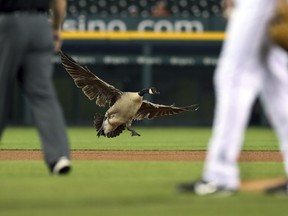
(26, 42)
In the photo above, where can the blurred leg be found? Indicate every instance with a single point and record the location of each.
(232, 113)
(238, 80)
(38, 86)
(45, 107)
(275, 97)
(10, 56)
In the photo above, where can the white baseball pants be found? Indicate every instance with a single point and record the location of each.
(250, 66)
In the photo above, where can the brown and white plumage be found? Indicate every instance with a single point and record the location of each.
(125, 107)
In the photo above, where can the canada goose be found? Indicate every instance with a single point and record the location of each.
(124, 106)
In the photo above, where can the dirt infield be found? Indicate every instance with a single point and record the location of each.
(141, 155)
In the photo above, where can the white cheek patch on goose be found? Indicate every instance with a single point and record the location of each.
(150, 91)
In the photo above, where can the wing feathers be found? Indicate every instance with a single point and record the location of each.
(89, 91)
(92, 86)
(150, 110)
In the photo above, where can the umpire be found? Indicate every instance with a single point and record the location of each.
(27, 41)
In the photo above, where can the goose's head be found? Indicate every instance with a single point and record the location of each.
(151, 91)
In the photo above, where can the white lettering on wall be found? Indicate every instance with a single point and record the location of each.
(116, 25)
(97, 25)
(82, 24)
(145, 25)
(167, 25)
(188, 26)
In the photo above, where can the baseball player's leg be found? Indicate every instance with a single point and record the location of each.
(275, 98)
(38, 86)
(11, 48)
(45, 107)
(232, 113)
(238, 80)
(5, 79)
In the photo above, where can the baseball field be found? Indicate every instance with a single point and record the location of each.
(134, 175)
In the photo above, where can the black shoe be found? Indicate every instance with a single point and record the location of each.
(203, 188)
(61, 167)
(281, 189)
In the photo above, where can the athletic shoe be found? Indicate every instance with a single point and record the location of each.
(281, 189)
(203, 188)
(61, 167)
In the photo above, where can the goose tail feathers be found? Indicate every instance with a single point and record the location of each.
(98, 125)
(116, 132)
(98, 122)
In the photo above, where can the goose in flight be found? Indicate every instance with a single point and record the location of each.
(124, 107)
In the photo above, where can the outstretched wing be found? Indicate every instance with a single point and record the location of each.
(150, 110)
(92, 86)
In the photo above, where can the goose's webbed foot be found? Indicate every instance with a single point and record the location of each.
(133, 132)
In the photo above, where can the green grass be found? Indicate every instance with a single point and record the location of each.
(127, 188)
(152, 138)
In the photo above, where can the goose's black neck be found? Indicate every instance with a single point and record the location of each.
(143, 92)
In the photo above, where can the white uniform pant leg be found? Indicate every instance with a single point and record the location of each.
(238, 80)
(274, 96)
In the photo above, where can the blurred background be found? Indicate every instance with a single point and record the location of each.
(181, 67)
